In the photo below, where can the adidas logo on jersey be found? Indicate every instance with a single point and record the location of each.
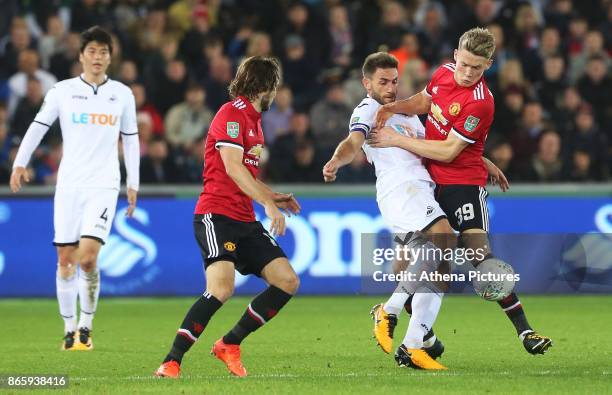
(435, 90)
(430, 211)
(251, 134)
(239, 104)
(479, 92)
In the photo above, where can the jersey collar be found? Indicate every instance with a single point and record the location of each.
(93, 86)
(252, 112)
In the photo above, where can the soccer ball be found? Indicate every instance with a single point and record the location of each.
(493, 279)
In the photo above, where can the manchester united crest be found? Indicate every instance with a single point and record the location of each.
(454, 109)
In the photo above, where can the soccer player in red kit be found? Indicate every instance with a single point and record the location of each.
(459, 108)
(225, 227)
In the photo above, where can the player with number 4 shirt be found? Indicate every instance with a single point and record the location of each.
(93, 112)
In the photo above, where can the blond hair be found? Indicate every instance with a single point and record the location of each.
(478, 41)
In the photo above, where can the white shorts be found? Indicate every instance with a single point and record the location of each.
(410, 207)
(83, 212)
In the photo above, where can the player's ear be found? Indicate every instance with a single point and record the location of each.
(489, 63)
(455, 55)
(366, 83)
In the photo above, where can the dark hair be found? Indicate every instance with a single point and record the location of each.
(255, 75)
(97, 34)
(378, 60)
(597, 57)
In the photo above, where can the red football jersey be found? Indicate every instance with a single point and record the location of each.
(236, 124)
(468, 113)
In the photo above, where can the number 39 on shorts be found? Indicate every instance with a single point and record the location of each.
(465, 213)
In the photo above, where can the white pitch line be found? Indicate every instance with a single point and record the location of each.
(404, 372)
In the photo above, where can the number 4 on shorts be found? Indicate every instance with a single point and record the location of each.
(104, 216)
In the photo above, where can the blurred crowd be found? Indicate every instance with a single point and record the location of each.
(550, 77)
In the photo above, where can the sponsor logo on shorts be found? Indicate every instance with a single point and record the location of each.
(229, 246)
(430, 210)
(233, 129)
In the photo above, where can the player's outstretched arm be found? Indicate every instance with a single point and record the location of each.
(344, 154)
(496, 175)
(415, 105)
(284, 201)
(232, 160)
(441, 150)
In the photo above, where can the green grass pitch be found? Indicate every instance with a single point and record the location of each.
(317, 345)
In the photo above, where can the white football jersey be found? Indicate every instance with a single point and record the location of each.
(91, 118)
(393, 165)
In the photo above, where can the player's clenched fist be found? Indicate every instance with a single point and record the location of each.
(16, 176)
(329, 170)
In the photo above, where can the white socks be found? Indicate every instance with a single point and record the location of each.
(89, 290)
(396, 302)
(425, 308)
(67, 291)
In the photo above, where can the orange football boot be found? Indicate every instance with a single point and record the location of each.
(169, 369)
(230, 355)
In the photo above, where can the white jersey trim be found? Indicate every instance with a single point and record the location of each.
(228, 144)
(462, 137)
(478, 92)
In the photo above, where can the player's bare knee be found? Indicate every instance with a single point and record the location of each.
(64, 257)
(288, 283)
(221, 292)
(399, 265)
(88, 261)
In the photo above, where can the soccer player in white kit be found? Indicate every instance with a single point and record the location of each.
(93, 112)
(404, 192)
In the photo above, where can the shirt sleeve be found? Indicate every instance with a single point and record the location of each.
(128, 118)
(49, 111)
(474, 120)
(228, 129)
(131, 153)
(432, 82)
(362, 118)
